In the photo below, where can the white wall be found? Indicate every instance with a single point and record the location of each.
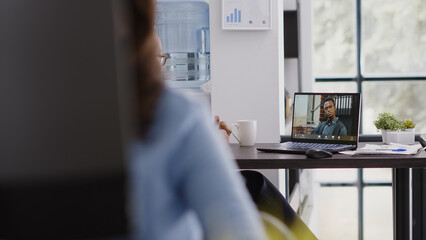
(247, 76)
(301, 67)
(247, 73)
(305, 45)
(290, 5)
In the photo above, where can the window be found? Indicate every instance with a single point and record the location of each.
(369, 46)
(377, 48)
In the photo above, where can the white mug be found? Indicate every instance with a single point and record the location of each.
(246, 132)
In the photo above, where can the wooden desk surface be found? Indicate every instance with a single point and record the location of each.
(251, 158)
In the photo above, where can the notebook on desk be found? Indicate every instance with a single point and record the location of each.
(328, 121)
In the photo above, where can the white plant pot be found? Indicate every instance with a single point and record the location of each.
(384, 136)
(403, 137)
(410, 135)
(410, 130)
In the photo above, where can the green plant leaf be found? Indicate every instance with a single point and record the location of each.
(388, 121)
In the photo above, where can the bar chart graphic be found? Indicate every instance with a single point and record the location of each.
(246, 14)
(234, 17)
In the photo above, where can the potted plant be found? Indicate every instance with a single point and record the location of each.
(408, 125)
(387, 122)
(407, 136)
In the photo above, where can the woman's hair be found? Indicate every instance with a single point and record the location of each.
(148, 84)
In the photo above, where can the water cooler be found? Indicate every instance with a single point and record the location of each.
(183, 27)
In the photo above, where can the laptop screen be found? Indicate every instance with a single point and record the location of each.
(326, 117)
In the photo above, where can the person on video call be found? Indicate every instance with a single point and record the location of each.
(183, 183)
(333, 126)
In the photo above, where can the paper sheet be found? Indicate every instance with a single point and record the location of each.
(393, 149)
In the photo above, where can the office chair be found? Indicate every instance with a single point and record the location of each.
(269, 200)
(275, 229)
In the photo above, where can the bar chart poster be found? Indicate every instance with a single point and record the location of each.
(246, 14)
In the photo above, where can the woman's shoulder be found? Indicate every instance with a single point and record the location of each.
(175, 105)
(176, 114)
(175, 118)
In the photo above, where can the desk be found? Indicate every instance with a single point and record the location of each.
(250, 158)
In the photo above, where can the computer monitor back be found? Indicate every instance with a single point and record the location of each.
(62, 168)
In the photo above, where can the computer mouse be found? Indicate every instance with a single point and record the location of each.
(318, 153)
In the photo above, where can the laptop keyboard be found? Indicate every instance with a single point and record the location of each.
(324, 146)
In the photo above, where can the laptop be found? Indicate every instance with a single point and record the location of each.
(328, 121)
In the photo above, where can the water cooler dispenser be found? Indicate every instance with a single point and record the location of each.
(183, 27)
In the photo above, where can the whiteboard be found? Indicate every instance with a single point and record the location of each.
(246, 14)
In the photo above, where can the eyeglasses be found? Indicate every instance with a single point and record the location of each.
(328, 107)
(162, 59)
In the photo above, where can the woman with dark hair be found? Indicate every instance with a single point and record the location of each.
(184, 183)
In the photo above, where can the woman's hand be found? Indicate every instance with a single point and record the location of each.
(223, 128)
